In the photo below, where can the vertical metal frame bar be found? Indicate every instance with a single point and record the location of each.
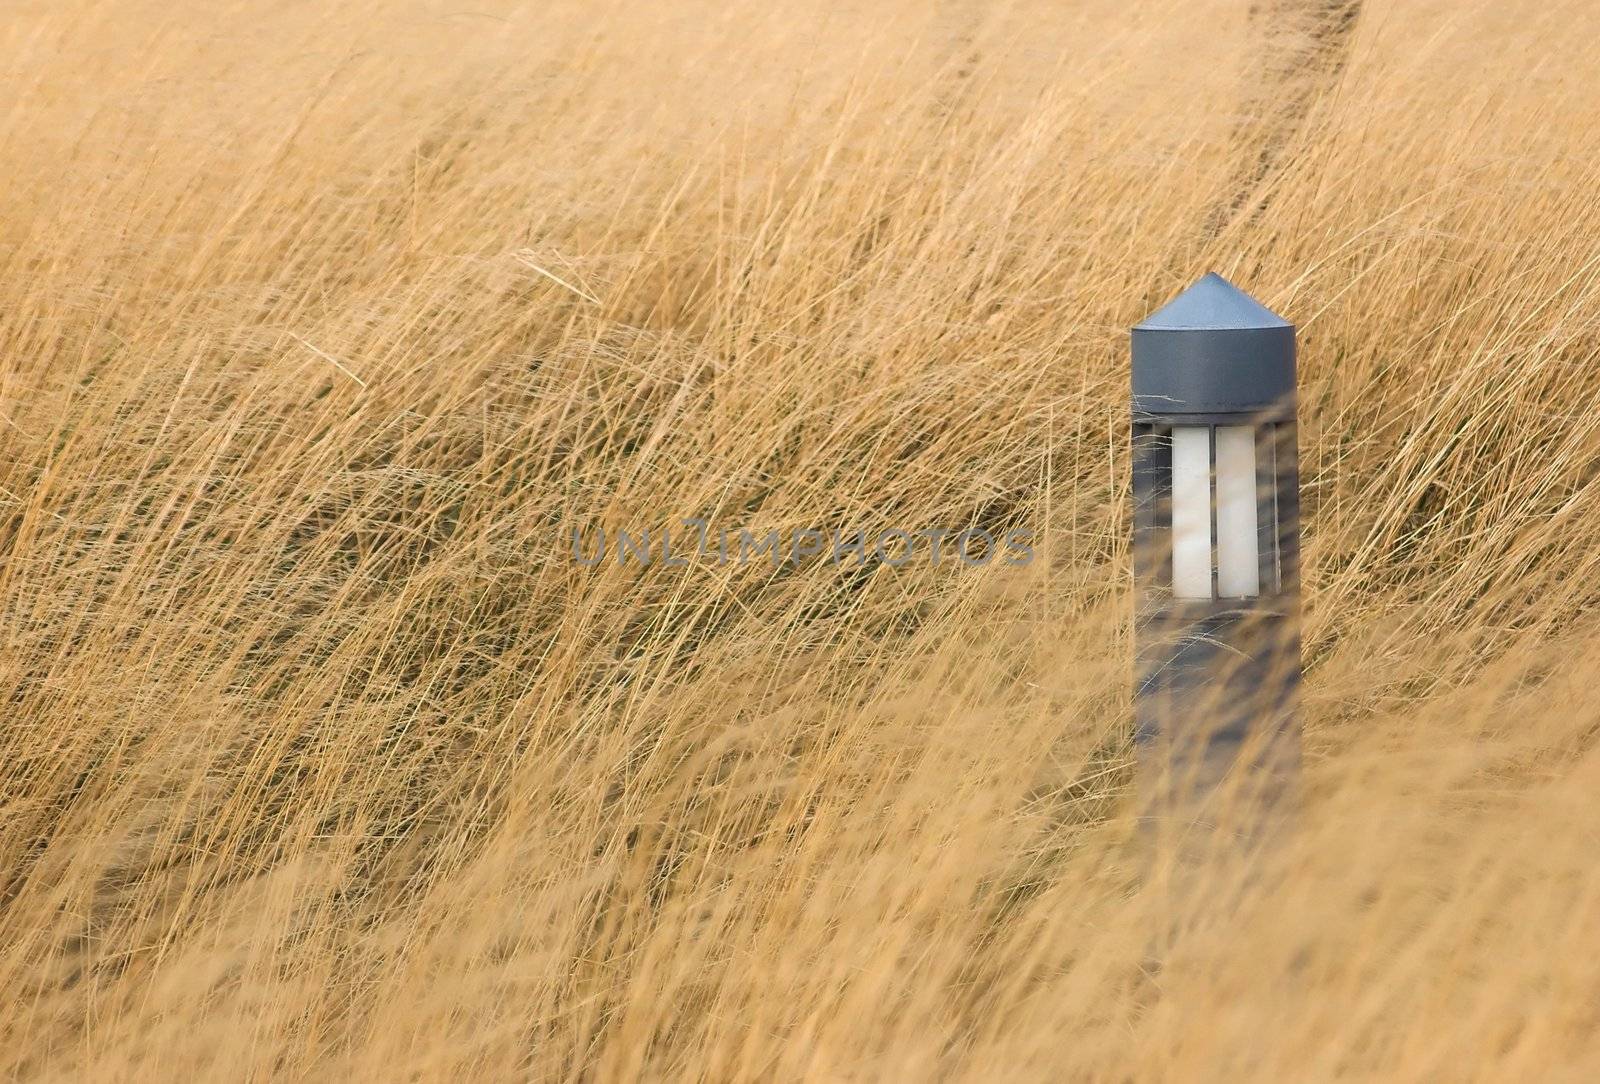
(1211, 503)
(1287, 494)
(1152, 498)
(1267, 508)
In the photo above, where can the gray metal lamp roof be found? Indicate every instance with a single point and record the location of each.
(1213, 349)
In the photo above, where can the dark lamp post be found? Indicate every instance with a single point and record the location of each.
(1216, 543)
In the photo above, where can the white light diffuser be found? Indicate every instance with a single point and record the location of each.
(1191, 512)
(1238, 556)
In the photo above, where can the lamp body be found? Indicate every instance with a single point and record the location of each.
(1216, 544)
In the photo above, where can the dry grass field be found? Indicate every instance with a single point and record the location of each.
(322, 325)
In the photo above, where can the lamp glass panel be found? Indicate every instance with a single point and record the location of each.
(1191, 511)
(1238, 553)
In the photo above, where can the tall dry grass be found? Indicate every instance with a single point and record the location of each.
(322, 758)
